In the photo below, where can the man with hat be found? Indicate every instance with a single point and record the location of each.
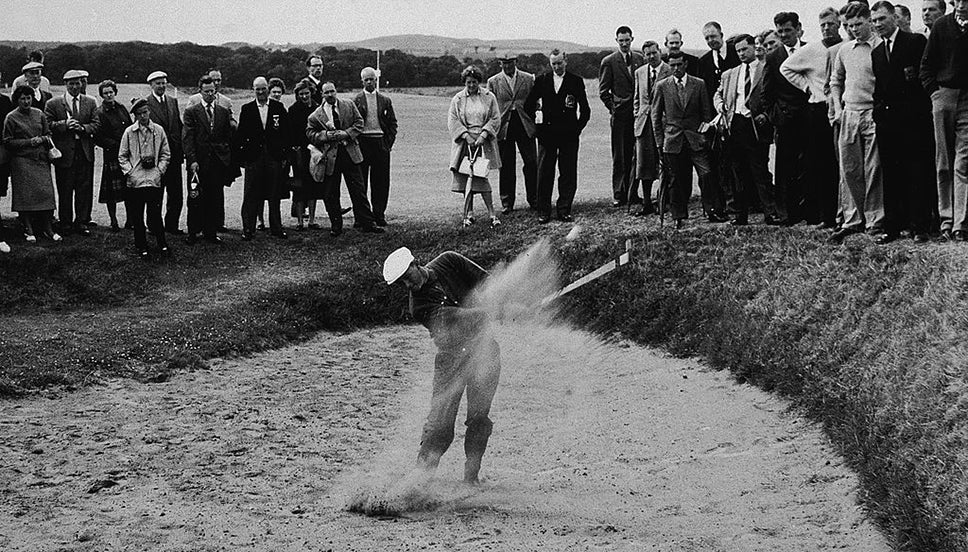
(467, 355)
(164, 111)
(376, 141)
(511, 87)
(73, 121)
(21, 80)
(32, 75)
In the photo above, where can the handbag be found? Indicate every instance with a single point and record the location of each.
(475, 163)
(53, 153)
(317, 164)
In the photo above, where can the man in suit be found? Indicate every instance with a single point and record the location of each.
(376, 141)
(749, 144)
(263, 141)
(31, 72)
(720, 58)
(673, 43)
(944, 75)
(681, 112)
(809, 70)
(226, 102)
(784, 106)
(646, 151)
(314, 64)
(334, 127)
(559, 106)
(852, 88)
(73, 121)
(511, 87)
(616, 88)
(164, 111)
(207, 139)
(905, 135)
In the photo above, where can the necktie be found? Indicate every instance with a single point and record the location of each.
(716, 58)
(628, 63)
(74, 109)
(887, 48)
(336, 116)
(748, 84)
(682, 92)
(651, 80)
(211, 117)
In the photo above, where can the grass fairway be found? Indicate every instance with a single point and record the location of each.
(868, 340)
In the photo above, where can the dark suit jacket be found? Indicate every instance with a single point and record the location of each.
(169, 117)
(253, 139)
(724, 100)
(203, 142)
(897, 85)
(57, 111)
(675, 123)
(708, 71)
(778, 98)
(388, 119)
(45, 97)
(565, 112)
(616, 81)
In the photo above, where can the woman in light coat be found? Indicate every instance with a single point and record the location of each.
(144, 156)
(473, 121)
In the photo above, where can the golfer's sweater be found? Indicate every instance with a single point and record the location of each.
(853, 74)
(441, 304)
(945, 61)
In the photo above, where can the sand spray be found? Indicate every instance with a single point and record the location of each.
(529, 338)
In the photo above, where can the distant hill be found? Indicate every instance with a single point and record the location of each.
(433, 46)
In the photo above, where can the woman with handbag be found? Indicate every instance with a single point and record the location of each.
(114, 118)
(305, 190)
(473, 121)
(144, 156)
(27, 139)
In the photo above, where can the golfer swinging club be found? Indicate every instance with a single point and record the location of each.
(467, 355)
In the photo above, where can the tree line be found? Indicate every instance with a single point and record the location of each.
(185, 62)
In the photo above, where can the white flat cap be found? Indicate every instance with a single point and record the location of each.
(32, 65)
(396, 264)
(74, 74)
(157, 75)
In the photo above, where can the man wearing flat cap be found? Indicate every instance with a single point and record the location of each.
(73, 122)
(164, 111)
(511, 88)
(32, 73)
(467, 355)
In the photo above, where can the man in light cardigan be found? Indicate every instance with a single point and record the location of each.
(808, 70)
(852, 87)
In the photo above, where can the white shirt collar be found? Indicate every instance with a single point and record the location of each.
(893, 37)
(369, 93)
(798, 45)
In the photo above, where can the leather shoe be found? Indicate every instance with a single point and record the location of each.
(739, 221)
(961, 235)
(946, 235)
(921, 237)
(381, 222)
(544, 219)
(839, 236)
(617, 203)
(717, 217)
(372, 229)
(246, 236)
(771, 221)
(883, 239)
(565, 218)
(680, 224)
(336, 232)
(216, 239)
(83, 230)
(281, 234)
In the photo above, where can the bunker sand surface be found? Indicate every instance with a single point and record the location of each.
(595, 447)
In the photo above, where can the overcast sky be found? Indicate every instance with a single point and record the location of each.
(301, 21)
